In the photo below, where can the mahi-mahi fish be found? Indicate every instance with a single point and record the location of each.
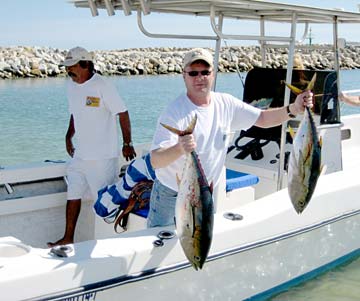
(194, 211)
(305, 159)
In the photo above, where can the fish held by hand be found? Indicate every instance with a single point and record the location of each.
(304, 166)
(194, 210)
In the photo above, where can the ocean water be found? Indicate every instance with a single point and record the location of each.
(34, 120)
(34, 116)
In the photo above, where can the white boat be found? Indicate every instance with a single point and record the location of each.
(260, 247)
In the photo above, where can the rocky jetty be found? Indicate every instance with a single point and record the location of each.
(21, 61)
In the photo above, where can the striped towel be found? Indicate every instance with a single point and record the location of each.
(113, 198)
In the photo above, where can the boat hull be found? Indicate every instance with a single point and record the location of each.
(255, 271)
(265, 252)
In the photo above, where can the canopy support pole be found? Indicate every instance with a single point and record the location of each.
(286, 101)
(217, 49)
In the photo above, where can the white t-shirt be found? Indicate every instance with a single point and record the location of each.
(94, 106)
(212, 132)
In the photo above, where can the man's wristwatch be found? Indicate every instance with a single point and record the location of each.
(128, 144)
(289, 113)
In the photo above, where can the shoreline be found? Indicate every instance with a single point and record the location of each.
(40, 62)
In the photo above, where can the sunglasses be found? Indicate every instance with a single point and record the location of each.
(196, 73)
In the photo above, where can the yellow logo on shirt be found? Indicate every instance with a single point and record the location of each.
(92, 101)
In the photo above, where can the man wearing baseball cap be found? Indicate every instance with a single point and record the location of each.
(217, 115)
(94, 106)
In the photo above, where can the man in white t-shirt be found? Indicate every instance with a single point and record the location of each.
(94, 106)
(218, 114)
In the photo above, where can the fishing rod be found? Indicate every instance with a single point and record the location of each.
(345, 92)
(233, 57)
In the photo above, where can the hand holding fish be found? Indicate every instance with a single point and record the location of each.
(303, 100)
(187, 143)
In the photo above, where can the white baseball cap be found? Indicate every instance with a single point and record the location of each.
(76, 55)
(198, 54)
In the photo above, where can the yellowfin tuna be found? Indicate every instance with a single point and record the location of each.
(305, 159)
(194, 212)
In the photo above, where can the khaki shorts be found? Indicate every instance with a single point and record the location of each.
(87, 177)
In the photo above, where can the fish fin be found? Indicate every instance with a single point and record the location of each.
(320, 141)
(301, 166)
(311, 84)
(291, 132)
(308, 151)
(187, 131)
(294, 89)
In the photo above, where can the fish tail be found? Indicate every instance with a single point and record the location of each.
(294, 89)
(191, 126)
(311, 84)
(298, 91)
(173, 130)
(187, 131)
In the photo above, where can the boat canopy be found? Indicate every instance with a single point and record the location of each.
(238, 9)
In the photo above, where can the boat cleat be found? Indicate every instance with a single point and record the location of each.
(163, 235)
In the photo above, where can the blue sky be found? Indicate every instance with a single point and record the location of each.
(57, 23)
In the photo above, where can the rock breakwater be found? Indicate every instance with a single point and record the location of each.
(22, 62)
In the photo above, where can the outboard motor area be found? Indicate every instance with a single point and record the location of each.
(258, 149)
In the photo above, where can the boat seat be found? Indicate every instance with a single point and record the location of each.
(237, 179)
(234, 180)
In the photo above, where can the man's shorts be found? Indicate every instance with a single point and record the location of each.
(87, 177)
(162, 206)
